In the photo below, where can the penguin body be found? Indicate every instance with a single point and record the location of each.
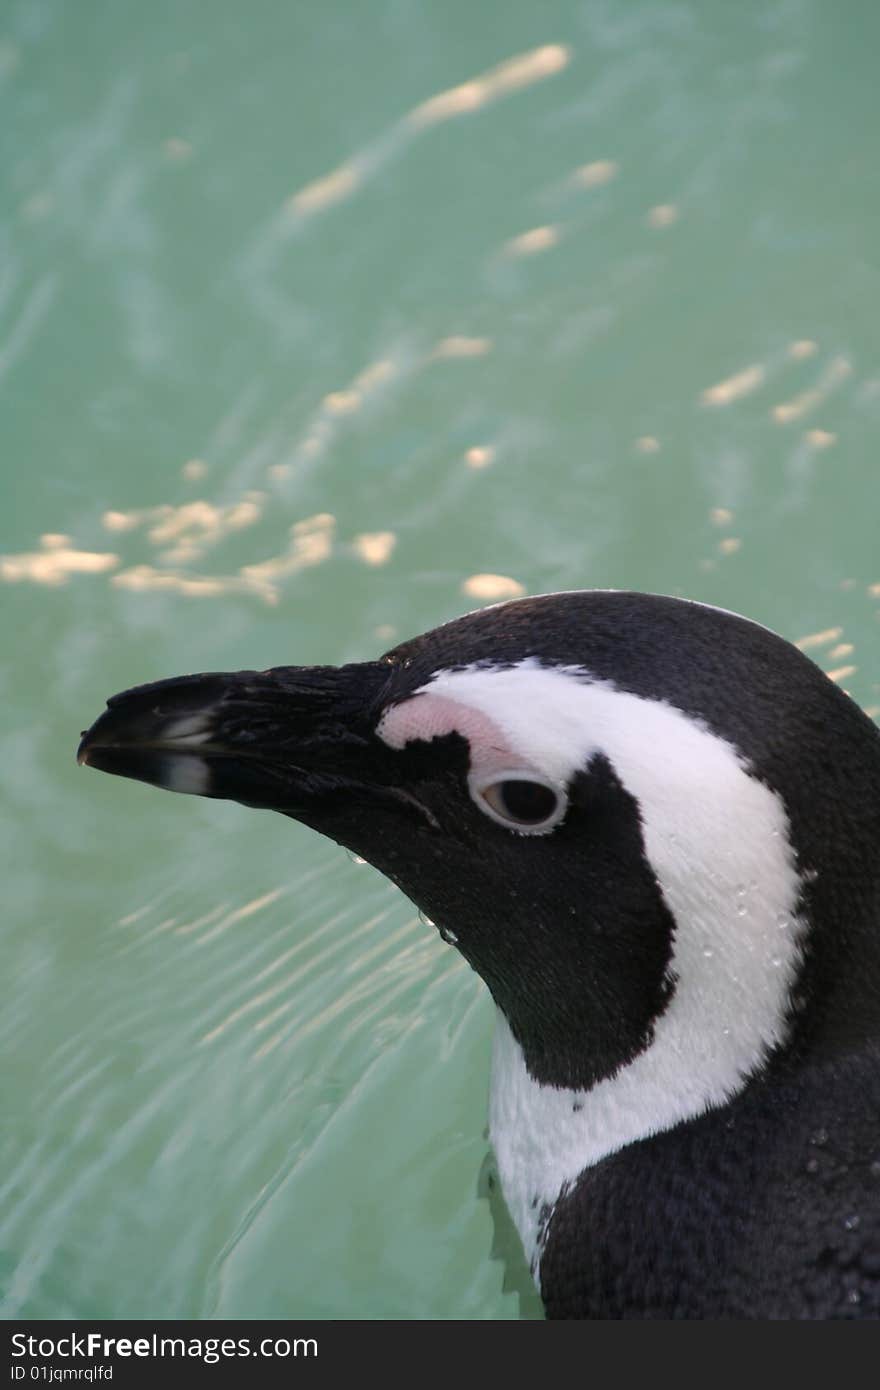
(652, 828)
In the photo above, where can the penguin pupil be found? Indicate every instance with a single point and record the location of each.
(529, 802)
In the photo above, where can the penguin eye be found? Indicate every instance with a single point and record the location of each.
(521, 802)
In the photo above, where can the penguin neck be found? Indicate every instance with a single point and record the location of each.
(697, 1057)
(830, 772)
(836, 1004)
(737, 955)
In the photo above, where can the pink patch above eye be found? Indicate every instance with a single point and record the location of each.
(426, 717)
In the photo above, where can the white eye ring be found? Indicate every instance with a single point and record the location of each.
(503, 805)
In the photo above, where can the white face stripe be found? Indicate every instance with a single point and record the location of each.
(717, 840)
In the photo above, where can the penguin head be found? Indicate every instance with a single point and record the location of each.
(636, 817)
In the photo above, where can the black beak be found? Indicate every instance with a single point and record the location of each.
(277, 739)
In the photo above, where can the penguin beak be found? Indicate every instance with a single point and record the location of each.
(280, 739)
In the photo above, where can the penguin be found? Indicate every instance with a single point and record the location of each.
(652, 827)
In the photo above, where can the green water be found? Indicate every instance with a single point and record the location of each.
(563, 294)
